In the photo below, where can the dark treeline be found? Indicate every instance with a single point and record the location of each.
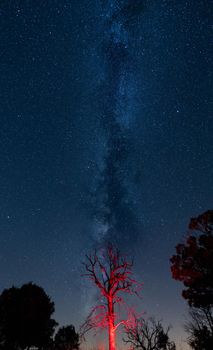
(26, 321)
(26, 312)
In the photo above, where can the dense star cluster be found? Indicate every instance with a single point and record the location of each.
(106, 134)
(115, 213)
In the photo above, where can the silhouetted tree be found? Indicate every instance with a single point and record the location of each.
(25, 318)
(193, 265)
(200, 329)
(148, 335)
(112, 274)
(193, 262)
(67, 339)
(201, 339)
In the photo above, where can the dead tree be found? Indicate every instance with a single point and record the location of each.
(111, 273)
(148, 335)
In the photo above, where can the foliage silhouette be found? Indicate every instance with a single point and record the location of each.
(25, 318)
(67, 339)
(193, 265)
(193, 262)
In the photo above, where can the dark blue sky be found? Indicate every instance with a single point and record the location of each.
(106, 134)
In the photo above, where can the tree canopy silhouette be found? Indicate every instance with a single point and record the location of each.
(111, 273)
(67, 339)
(25, 318)
(193, 262)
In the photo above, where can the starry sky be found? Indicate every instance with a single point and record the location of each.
(106, 135)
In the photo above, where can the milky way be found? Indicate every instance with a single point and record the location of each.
(114, 214)
(106, 134)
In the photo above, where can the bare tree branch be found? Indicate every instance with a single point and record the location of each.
(111, 272)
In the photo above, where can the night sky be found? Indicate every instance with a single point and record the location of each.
(106, 135)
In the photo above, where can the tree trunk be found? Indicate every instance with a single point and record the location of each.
(111, 321)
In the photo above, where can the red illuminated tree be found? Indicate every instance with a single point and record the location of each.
(111, 273)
